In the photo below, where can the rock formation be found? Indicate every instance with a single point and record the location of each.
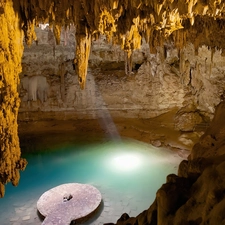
(174, 31)
(125, 23)
(162, 82)
(10, 67)
(196, 195)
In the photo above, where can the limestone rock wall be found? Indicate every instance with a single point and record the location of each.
(126, 23)
(158, 83)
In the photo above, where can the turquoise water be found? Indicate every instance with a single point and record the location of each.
(127, 173)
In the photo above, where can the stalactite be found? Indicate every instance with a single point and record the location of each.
(213, 50)
(10, 67)
(128, 62)
(57, 32)
(161, 52)
(30, 34)
(141, 18)
(182, 61)
(51, 40)
(83, 47)
(192, 20)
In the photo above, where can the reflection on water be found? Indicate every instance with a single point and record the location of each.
(127, 173)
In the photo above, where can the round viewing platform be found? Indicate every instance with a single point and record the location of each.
(68, 202)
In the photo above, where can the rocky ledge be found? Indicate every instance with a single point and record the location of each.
(196, 195)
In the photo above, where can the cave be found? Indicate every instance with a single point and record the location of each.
(92, 71)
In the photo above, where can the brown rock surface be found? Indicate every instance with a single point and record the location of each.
(196, 195)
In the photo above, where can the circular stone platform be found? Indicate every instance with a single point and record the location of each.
(68, 202)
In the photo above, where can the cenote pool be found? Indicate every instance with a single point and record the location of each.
(126, 172)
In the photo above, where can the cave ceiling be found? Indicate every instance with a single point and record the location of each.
(127, 22)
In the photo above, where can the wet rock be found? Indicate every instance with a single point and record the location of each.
(185, 140)
(187, 118)
(156, 143)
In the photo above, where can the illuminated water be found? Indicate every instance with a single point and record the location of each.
(127, 173)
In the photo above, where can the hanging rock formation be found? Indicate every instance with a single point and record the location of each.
(10, 67)
(126, 22)
(83, 47)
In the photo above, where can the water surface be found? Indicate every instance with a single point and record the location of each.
(126, 172)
